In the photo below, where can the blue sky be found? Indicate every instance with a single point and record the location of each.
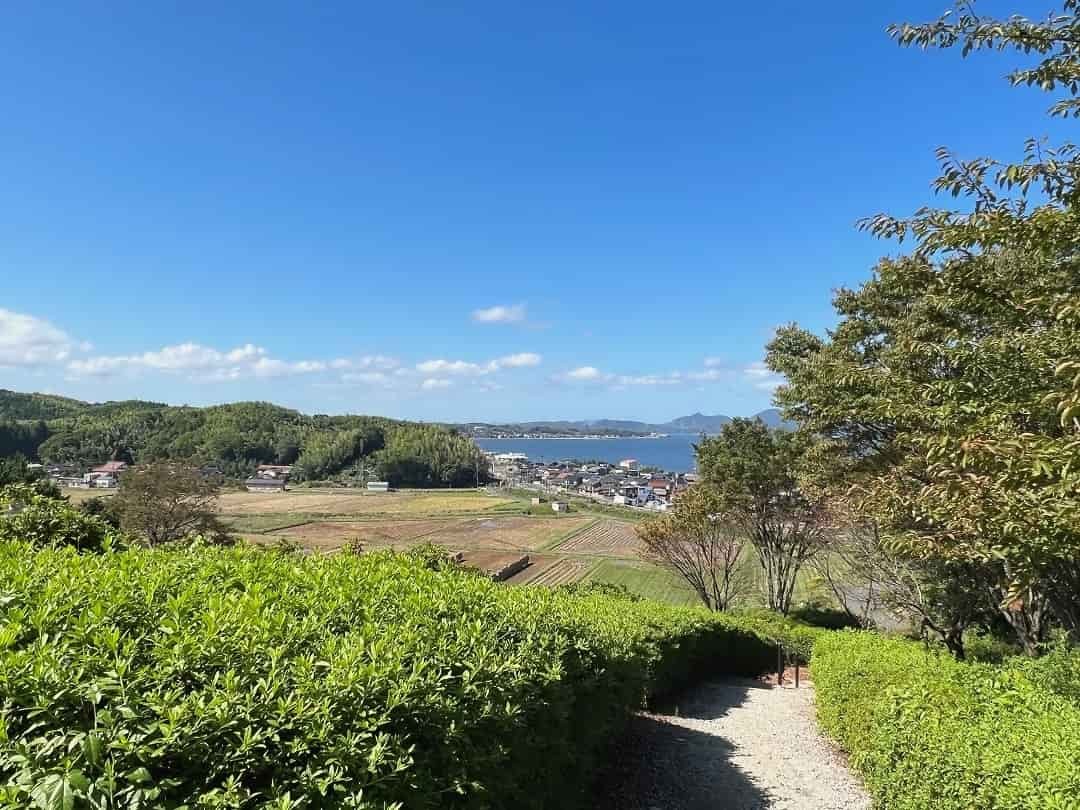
(492, 211)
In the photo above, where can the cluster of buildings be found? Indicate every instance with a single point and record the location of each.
(624, 484)
(104, 476)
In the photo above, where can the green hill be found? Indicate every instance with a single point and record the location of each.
(234, 437)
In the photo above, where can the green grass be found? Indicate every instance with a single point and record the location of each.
(645, 580)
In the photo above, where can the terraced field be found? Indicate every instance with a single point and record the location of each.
(552, 571)
(611, 538)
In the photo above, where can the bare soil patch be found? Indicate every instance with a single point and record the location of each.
(612, 538)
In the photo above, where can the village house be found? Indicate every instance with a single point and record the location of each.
(265, 484)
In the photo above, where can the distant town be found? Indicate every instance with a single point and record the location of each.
(626, 483)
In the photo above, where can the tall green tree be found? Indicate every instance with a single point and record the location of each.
(949, 392)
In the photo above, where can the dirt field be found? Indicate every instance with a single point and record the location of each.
(611, 538)
(552, 571)
(331, 535)
(512, 533)
(351, 502)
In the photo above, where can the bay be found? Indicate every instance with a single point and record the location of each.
(674, 453)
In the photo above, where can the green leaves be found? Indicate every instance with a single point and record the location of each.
(929, 733)
(240, 678)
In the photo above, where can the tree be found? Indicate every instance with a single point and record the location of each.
(700, 543)
(941, 597)
(949, 392)
(26, 515)
(754, 471)
(165, 502)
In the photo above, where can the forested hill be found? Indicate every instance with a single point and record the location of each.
(234, 437)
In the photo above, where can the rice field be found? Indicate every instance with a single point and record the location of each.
(606, 538)
(645, 580)
(552, 571)
(496, 533)
(351, 502)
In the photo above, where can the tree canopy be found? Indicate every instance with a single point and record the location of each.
(235, 438)
(948, 395)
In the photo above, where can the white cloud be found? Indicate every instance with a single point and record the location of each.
(762, 377)
(714, 362)
(371, 361)
(585, 373)
(466, 368)
(198, 362)
(29, 341)
(522, 360)
(435, 383)
(500, 314)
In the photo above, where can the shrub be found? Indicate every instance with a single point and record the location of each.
(241, 679)
(930, 733)
(40, 520)
(794, 636)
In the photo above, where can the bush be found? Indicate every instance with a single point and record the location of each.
(794, 636)
(40, 520)
(236, 678)
(930, 733)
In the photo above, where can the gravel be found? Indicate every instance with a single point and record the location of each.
(730, 745)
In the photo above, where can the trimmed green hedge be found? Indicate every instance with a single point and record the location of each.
(796, 637)
(246, 679)
(931, 733)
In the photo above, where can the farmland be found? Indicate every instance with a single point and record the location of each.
(490, 530)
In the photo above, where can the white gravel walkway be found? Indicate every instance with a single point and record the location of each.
(731, 745)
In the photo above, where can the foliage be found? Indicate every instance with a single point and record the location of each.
(950, 390)
(753, 473)
(795, 636)
(239, 678)
(236, 438)
(702, 544)
(931, 733)
(166, 502)
(43, 521)
(611, 590)
(429, 456)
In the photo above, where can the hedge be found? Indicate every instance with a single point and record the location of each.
(930, 733)
(246, 679)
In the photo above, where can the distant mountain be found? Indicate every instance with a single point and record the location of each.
(694, 423)
(772, 418)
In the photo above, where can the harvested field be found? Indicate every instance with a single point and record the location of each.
(561, 572)
(77, 496)
(612, 538)
(330, 535)
(353, 502)
(510, 533)
(514, 533)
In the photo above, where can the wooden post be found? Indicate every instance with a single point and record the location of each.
(796, 673)
(779, 664)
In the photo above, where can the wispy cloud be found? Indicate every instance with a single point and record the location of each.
(713, 371)
(28, 341)
(467, 368)
(762, 377)
(502, 313)
(435, 384)
(365, 362)
(198, 362)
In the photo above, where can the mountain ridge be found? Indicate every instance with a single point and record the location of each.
(693, 423)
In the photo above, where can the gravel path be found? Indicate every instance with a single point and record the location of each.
(731, 745)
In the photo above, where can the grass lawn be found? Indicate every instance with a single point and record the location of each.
(645, 580)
